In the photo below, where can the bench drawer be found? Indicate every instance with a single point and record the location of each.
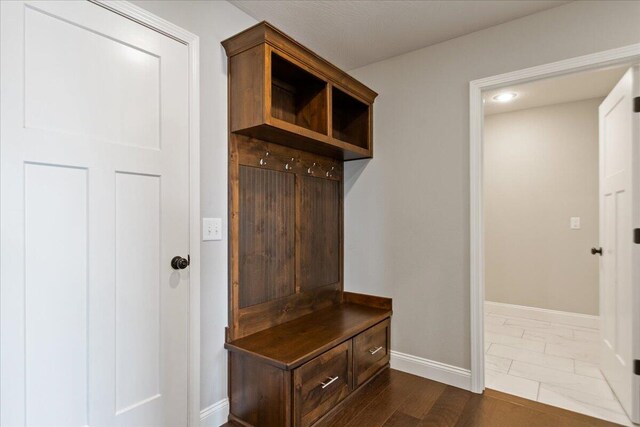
(321, 383)
(371, 351)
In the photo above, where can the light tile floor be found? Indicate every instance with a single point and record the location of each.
(552, 363)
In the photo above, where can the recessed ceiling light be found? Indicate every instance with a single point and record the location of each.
(505, 97)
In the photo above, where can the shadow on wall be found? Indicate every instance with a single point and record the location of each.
(352, 171)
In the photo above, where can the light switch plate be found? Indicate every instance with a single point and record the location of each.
(211, 228)
(574, 223)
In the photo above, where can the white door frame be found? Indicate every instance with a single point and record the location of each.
(192, 41)
(628, 54)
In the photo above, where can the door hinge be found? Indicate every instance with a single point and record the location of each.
(636, 367)
(636, 236)
(636, 104)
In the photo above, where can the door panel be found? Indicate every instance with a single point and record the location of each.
(106, 98)
(94, 204)
(137, 292)
(55, 303)
(618, 146)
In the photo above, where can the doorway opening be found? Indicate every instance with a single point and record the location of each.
(546, 161)
(540, 221)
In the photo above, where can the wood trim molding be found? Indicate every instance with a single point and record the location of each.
(624, 55)
(149, 20)
(430, 369)
(216, 414)
(368, 300)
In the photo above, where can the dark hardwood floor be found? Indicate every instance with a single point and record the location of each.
(397, 399)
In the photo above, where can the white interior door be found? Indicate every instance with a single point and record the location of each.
(94, 205)
(620, 262)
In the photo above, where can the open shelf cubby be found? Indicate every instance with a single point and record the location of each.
(297, 96)
(281, 92)
(350, 119)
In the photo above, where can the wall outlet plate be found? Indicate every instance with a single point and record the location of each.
(574, 223)
(211, 229)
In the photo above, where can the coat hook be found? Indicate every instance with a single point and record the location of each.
(263, 160)
(287, 166)
(330, 172)
(309, 171)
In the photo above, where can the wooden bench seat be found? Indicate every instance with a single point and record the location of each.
(291, 344)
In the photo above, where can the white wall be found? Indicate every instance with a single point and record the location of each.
(213, 21)
(407, 210)
(540, 169)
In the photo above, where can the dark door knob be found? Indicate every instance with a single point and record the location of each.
(596, 251)
(179, 263)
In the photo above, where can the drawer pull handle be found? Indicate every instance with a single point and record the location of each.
(328, 383)
(375, 350)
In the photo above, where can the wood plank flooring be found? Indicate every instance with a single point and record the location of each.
(398, 399)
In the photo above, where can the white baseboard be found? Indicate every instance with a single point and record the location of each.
(542, 314)
(215, 415)
(436, 371)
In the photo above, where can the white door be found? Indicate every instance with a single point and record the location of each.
(620, 262)
(94, 205)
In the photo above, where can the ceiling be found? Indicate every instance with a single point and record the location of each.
(351, 34)
(556, 90)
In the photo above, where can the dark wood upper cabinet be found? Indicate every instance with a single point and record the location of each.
(282, 92)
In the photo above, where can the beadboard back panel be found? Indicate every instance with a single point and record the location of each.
(285, 234)
(267, 235)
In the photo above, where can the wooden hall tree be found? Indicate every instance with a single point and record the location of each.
(300, 347)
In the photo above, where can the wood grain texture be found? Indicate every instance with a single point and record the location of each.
(313, 396)
(277, 94)
(357, 401)
(369, 300)
(397, 398)
(400, 419)
(290, 326)
(246, 88)
(291, 135)
(264, 32)
(350, 119)
(273, 313)
(272, 309)
(258, 392)
(291, 344)
(319, 230)
(447, 409)
(286, 159)
(283, 105)
(371, 351)
(302, 393)
(267, 235)
(234, 238)
(298, 96)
